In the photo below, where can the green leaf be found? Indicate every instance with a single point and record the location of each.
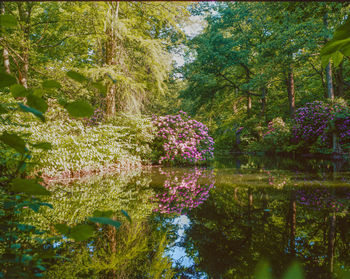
(98, 213)
(62, 228)
(345, 50)
(100, 87)
(14, 141)
(28, 186)
(126, 215)
(262, 271)
(3, 109)
(8, 21)
(333, 46)
(81, 232)
(79, 109)
(38, 92)
(33, 111)
(37, 103)
(337, 57)
(51, 84)
(325, 60)
(105, 221)
(18, 90)
(6, 80)
(343, 31)
(294, 272)
(76, 76)
(43, 145)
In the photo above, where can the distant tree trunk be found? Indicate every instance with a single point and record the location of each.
(263, 102)
(291, 92)
(330, 89)
(339, 81)
(249, 104)
(24, 11)
(111, 59)
(5, 53)
(331, 241)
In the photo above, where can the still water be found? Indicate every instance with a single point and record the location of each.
(218, 221)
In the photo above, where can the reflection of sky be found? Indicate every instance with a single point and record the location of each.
(178, 253)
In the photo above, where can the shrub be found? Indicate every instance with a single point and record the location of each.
(181, 140)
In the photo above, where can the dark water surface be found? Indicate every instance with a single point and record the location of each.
(250, 208)
(219, 221)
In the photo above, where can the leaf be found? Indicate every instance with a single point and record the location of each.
(18, 90)
(6, 80)
(105, 221)
(51, 84)
(325, 60)
(62, 228)
(14, 141)
(43, 145)
(33, 111)
(262, 271)
(79, 109)
(294, 272)
(38, 92)
(98, 213)
(337, 57)
(76, 76)
(28, 186)
(81, 232)
(333, 46)
(345, 50)
(100, 87)
(3, 109)
(126, 215)
(343, 31)
(37, 103)
(8, 21)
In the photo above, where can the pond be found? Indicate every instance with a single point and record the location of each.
(214, 222)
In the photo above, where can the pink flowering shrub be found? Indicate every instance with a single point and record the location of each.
(181, 140)
(184, 191)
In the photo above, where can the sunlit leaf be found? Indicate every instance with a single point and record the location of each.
(76, 76)
(333, 46)
(100, 87)
(79, 109)
(28, 186)
(6, 80)
(14, 141)
(37, 103)
(62, 228)
(98, 213)
(8, 21)
(343, 31)
(18, 90)
(33, 111)
(337, 57)
(38, 92)
(263, 271)
(51, 84)
(105, 221)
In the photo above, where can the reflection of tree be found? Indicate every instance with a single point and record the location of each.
(184, 191)
(237, 226)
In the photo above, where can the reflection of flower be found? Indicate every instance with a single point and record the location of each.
(320, 199)
(184, 192)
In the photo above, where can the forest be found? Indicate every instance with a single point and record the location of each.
(120, 119)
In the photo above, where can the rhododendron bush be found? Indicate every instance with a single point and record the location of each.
(181, 140)
(316, 121)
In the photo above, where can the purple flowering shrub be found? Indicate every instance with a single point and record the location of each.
(184, 191)
(315, 122)
(181, 140)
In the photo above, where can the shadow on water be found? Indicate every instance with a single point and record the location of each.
(277, 209)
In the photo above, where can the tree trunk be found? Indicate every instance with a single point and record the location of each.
(291, 92)
(331, 241)
(263, 102)
(339, 81)
(111, 59)
(5, 53)
(330, 89)
(249, 104)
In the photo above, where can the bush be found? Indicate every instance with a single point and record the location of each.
(181, 140)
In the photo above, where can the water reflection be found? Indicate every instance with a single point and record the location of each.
(259, 211)
(183, 189)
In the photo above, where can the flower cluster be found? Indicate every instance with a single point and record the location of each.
(317, 120)
(182, 140)
(185, 191)
(321, 199)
